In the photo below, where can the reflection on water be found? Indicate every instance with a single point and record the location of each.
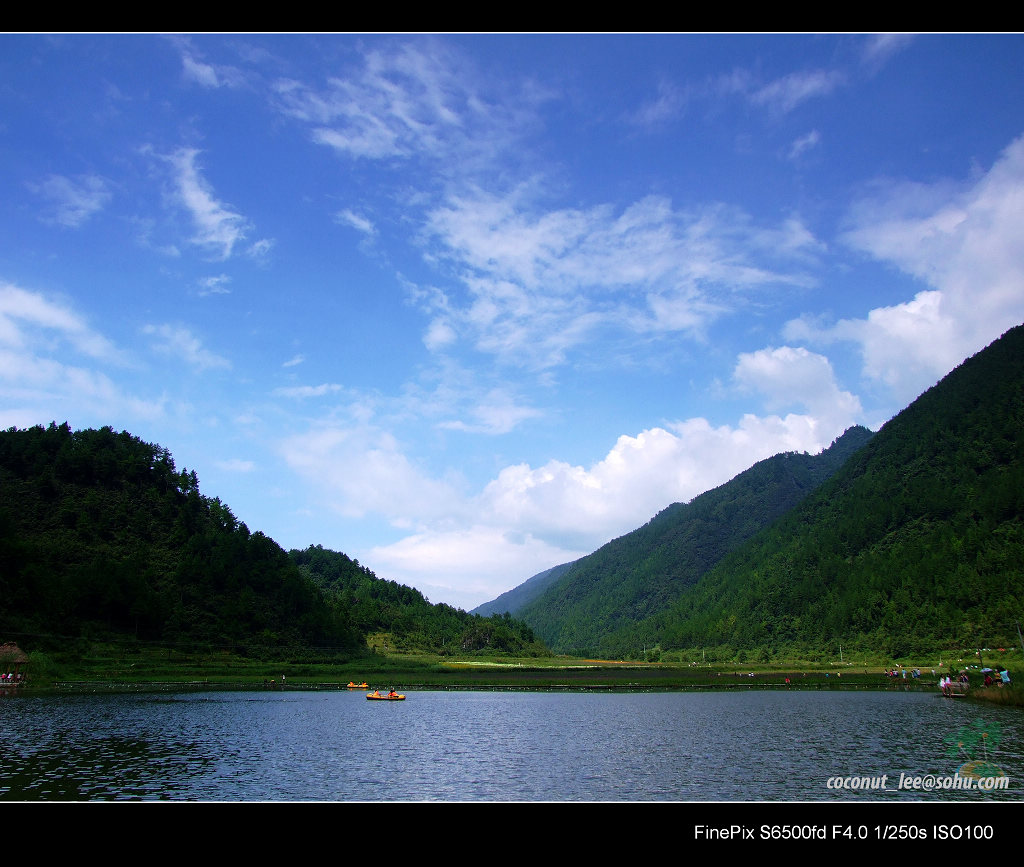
(467, 746)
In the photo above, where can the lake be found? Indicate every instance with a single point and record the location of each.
(502, 746)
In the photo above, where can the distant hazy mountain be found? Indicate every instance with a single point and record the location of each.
(518, 597)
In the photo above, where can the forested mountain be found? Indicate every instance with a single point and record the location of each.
(645, 571)
(410, 621)
(512, 601)
(102, 537)
(916, 544)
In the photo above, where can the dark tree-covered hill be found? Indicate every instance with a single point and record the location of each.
(411, 622)
(101, 536)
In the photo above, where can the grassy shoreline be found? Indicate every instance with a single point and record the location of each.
(109, 669)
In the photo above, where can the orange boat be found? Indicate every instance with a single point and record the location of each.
(391, 696)
(363, 685)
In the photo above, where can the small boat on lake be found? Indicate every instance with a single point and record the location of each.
(390, 696)
(363, 685)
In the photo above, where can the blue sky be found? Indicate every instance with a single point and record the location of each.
(468, 307)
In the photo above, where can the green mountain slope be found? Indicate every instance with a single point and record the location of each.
(916, 544)
(645, 571)
(519, 597)
(376, 605)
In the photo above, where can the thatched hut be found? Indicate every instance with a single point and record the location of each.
(12, 660)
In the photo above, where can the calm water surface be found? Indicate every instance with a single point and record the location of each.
(497, 746)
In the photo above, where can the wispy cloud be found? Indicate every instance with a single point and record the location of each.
(419, 100)
(496, 413)
(23, 314)
(804, 144)
(236, 465)
(356, 221)
(879, 48)
(178, 342)
(218, 227)
(198, 71)
(786, 93)
(542, 281)
(215, 285)
(49, 365)
(306, 391)
(73, 200)
(668, 105)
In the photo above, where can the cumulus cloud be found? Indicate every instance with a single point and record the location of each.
(360, 469)
(73, 200)
(790, 377)
(966, 243)
(528, 519)
(471, 565)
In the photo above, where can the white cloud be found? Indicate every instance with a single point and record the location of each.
(790, 376)
(215, 285)
(22, 313)
(528, 519)
(236, 465)
(497, 413)
(404, 100)
(304, 391)
(45, 347)
(667, 106)
(804, 143)
(218, 228)
(881, 46)
(966, 243)
(470, 566)
(360, 470)
(348, 217)
(73, 200)
(541, 282)
(786, 93)
(178, 342)
(202, 73)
